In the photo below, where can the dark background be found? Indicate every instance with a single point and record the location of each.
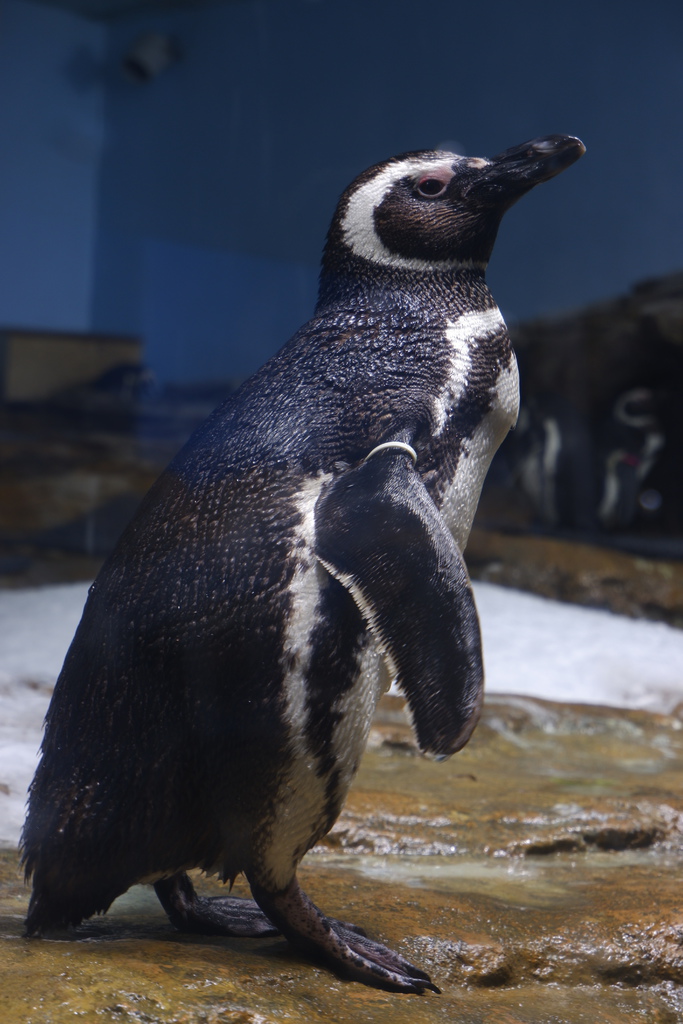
(191, 210)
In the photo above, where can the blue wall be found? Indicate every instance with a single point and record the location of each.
(51, 124)
(209, 314)
(218, 179)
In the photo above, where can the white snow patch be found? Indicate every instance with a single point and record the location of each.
(565, 652)
(36, 627)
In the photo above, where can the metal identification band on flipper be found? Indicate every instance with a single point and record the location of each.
(401, 445)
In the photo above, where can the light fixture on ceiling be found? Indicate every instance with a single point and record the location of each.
(149, 55)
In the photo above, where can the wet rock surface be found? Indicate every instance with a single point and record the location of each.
(535, 875)
(66, 493)
(588, 574)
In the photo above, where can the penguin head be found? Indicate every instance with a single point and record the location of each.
(435, 210)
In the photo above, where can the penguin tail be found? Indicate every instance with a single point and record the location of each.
(54, 907)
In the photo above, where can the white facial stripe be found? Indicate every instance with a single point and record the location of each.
(463, 335)
(358, 224)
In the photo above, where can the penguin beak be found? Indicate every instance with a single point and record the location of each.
(538, 160)
(506, 177)
(485, 189)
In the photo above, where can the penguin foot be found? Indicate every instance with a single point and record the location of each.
(211, 915)
(344, 948)
(346, 926)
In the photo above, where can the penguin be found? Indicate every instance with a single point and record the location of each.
(553, 455)
(216, 698)
(631, 441)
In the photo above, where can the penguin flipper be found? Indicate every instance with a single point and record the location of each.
(380, 534)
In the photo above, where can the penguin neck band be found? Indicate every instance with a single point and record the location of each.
(400, 445)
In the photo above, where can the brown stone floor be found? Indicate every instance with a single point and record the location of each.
(588, 574)
(536, 875)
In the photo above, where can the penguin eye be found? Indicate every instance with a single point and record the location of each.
(431, 187)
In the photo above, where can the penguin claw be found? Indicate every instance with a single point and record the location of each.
(211, 915)
(400, 975)
(345, 948)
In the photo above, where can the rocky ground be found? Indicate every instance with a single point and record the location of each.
(588, 574)
(535, 875)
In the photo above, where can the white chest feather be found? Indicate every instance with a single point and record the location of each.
(302, 798)
(467, 337)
